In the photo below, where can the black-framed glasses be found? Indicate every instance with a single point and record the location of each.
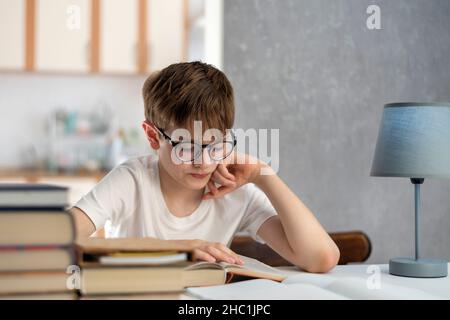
(188, 151)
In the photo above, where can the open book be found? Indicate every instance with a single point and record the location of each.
(307, 286)
(215, 273)
(150, 265)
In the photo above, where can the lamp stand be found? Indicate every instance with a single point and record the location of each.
(418, 267)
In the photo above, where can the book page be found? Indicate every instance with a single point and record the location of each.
(252, 268)
(205, 265)
(357, 288)
(143, 259)
(255, 269)
(111, 245)
(249, 264)
(260, 289)
(253, 264)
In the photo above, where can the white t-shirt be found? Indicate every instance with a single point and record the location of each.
(130, 198)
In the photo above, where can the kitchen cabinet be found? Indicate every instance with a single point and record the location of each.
(96, 36)
(12, 34)
(63, 31)
(166, 30)
(118, 36)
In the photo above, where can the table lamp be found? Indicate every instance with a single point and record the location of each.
(414, 142)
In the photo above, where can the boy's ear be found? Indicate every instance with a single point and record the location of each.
(152, 134)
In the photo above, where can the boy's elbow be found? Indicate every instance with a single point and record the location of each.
(325, 260)
(328, 259)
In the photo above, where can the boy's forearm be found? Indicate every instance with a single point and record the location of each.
(305, 235)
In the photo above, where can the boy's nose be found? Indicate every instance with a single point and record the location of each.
(204, 160)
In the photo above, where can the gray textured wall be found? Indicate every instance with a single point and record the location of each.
(313, 69)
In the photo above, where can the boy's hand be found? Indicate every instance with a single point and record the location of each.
(237, 171)
(213, 252)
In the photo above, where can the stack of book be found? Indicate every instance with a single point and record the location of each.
(131, 266)
(147, 266)
(36, 242)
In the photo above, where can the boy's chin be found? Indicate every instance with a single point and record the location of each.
(196, 187)
(196, 184)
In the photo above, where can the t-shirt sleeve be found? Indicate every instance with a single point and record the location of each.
(111, 198)
(258, 210)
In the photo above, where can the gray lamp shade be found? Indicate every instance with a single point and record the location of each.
(413, 141)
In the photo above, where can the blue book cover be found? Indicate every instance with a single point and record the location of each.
(30, 187)
(32, 196)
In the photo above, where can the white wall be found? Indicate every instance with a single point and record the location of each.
(27, 99)
(313, 70)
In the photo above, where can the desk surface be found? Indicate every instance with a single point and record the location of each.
(372, 273)
(437, 286)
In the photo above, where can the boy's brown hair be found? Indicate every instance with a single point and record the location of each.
(183, 92)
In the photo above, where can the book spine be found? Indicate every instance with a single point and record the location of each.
(68, 249)
(52, 209)
(19, 209)
(27, 247)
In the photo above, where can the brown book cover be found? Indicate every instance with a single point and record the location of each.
(33, 282)
(34, 258)
(110, 245)
(36, 227)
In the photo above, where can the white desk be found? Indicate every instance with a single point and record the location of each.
(365, 274)
(437, 286)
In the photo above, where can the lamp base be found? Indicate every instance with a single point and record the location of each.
(421, 268)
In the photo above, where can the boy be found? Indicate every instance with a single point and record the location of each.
(166, 196)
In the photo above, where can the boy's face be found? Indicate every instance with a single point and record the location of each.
(192, 175)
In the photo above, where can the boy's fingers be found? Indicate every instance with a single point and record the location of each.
(212, 190)
(207, 196)
(224, 172)
(231, 253)
(212, 187)
(219, 254)
(220, 192)
(223, 191)
(215, 252)
(217, 177)
(202, 255)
